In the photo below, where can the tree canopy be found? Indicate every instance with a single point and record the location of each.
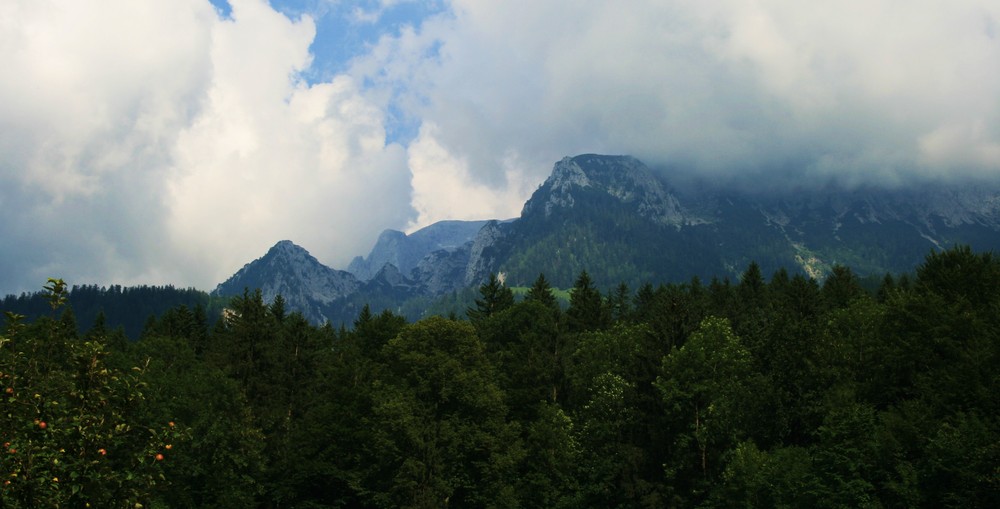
(780, 392)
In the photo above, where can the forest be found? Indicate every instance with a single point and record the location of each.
(769, 391)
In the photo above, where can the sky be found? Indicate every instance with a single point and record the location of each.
(173, 141)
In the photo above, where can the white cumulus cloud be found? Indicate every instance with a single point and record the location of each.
(271, 157)
(153, 142)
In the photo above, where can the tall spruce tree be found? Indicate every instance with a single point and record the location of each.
(586, 307)
(496, 297)
(541, 291)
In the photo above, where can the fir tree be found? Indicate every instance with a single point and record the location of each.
(541, 292)
(586, 307)
(496, 297)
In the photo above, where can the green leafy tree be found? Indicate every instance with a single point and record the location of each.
(530, 353)
(223, 463)
(441, 434)
(704, 385)
(71, 424)
(547, 476)
(271, 362)
(609, 462)
(336, 460)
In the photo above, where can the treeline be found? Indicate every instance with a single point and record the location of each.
(779, 392)
(129, 307)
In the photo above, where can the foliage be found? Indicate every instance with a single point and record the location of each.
(786, 392)
(128, 307)
(496, 297)
(73, 429)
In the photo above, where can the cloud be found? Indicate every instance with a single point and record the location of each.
(271, 157)
(153, 142)
(855, 92)
(373, 10)
(444, 187)
(90, 104)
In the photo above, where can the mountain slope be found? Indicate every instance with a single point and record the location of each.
(611, 216)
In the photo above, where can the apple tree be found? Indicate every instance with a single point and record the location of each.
(67, 419)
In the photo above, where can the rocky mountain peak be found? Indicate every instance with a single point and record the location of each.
(288, 251)
(623, 177)
(289, 270)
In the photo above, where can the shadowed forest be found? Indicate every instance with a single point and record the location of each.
(773, 391)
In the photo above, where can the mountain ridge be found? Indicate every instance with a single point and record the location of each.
(623, 222)
(405, 251)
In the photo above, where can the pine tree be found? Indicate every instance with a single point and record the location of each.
(841, 287)
(586, 307)
(496, 297)
(541, 291)
(752, 286)
(620, 303)
(278, 308)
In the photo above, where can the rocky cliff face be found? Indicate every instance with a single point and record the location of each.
(873, 230)
(406, 251)
(613, 215)
(443, 270)
(622, 177)
(390, 248)
(483, 257)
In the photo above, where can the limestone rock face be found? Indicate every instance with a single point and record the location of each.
(406, 251)
(482, 255)
(623, 177)
(443, 270)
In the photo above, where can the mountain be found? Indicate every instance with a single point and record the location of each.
(405, 251)
(307, 285)
(621, 178)
(611, 216)
(624, 222)
(874, 231)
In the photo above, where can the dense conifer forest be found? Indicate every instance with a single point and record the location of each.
(129, 307)
(771, 391)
